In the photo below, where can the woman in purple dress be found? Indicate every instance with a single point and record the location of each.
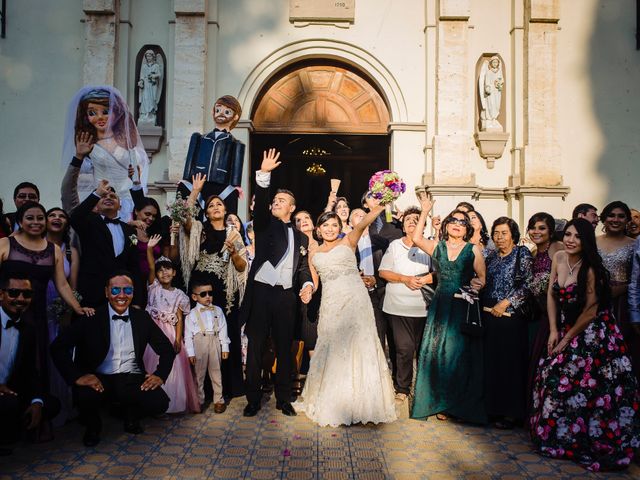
(585, 397)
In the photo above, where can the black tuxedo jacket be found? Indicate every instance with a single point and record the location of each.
(272, 240)
(91, 338)
(222, 158)
(98, 260)
(25, 379)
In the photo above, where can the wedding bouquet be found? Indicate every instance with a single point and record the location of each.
(63, 312)
(179, 212)
(386, 186)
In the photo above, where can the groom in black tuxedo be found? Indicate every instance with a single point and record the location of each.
(107, 364)
(278, 271)
(108, 244)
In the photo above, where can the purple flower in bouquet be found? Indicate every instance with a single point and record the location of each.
(386, 186)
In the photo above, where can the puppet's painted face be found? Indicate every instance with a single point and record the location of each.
(98, 116)
(223, 116)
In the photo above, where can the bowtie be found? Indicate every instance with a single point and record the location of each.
(124, 318)
(289, 225)
(112, 220)
(206, 309)
(14, 323)
(219, 131)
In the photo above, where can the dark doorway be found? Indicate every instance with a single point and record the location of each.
(350, 158)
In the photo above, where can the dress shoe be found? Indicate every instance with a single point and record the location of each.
(251, 409)
(286, 408)
(219, 407)
(90, 438)
(133, 426)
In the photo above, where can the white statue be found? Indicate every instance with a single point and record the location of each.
(490, 86)
(150, 84)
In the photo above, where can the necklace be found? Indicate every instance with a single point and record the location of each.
(455, 246)
(575, 265)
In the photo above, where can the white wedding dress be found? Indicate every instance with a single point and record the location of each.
(349, 380)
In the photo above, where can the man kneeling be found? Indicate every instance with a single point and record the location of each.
(108, 362)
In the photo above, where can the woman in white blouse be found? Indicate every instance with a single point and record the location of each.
(406, 269)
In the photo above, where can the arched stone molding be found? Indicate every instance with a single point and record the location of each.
(333, 50)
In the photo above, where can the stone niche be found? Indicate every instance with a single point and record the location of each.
(490, 112)
(151, 126)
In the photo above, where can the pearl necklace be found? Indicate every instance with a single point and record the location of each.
(571, 269)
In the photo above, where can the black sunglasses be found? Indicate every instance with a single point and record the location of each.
(206, 293)
(459, 221)
(16, 292)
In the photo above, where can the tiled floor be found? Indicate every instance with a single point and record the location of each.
(272, 446)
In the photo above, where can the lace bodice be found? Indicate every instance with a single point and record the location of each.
(337, 262)
(618, 263)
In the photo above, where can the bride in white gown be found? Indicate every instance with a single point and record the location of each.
(349, 380)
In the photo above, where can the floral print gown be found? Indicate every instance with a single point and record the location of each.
(586, 399)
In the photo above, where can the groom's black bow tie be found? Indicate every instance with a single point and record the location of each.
(124, 318)
(14, 323)
(288, 225)
(112, 220)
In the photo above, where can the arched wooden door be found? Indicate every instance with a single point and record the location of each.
(323, 115)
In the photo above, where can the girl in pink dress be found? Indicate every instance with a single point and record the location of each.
(167, 306)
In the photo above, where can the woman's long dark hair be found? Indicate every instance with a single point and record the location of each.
(484, 233)
(468, 229)
(328, 216)
(242, 231)
(66, 235)
(4, 222)
(156, 227)
(590, 260)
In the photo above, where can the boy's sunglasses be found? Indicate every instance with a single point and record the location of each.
(206, 293)
(117, 290)
(16, 292)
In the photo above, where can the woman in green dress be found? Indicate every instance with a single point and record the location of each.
(449, 378)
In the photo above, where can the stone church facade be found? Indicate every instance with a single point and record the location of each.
(568, 105)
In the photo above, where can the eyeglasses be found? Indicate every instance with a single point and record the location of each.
(459, 221)
(206, 293)
(27, 196)
(16, 292)
(117, 290)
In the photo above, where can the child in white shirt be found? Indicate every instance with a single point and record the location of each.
(206, 341)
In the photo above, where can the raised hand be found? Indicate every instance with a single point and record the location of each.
(84, 144)
(153, 241)
(426, 204)
(198, 181)
(270, 160)
(131, 172)
(103, 188)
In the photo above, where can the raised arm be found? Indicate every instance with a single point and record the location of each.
(261, 213)
(418, 238)
(354, 235)
(198, 182)
(153, 241)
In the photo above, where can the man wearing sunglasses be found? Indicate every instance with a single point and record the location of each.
(23, 403)
(108, 365)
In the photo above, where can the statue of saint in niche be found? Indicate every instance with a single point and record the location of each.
(490, 86)
(150, 85)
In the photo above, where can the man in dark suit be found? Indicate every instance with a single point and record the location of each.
(218, 155)
(108, 244)
(107, 364)
(23, 192)
(279, 269)
(22, 399)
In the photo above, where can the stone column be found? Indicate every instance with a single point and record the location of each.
(453, 141)
(189, 82)
(542, 156)
(101, 41)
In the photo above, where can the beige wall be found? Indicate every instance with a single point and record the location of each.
(598, 74)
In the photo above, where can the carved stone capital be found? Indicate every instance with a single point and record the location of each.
(151, 136)
(544, 11)
(455, 9)
(190, 7)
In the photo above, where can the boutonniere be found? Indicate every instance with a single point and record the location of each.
(303, 251)
(134, 239)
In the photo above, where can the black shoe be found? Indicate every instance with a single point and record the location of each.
(91, 438)
(286, 408)
(251, 409)
(133, 427)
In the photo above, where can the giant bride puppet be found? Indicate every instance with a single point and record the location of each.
(102, 130)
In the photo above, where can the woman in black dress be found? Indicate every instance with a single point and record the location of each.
(208, 251)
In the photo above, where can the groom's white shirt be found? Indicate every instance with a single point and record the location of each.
(281, 274)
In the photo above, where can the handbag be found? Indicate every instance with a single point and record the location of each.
(471, 326)
(429, 290)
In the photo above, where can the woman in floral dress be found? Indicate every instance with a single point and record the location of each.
(585, 397)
